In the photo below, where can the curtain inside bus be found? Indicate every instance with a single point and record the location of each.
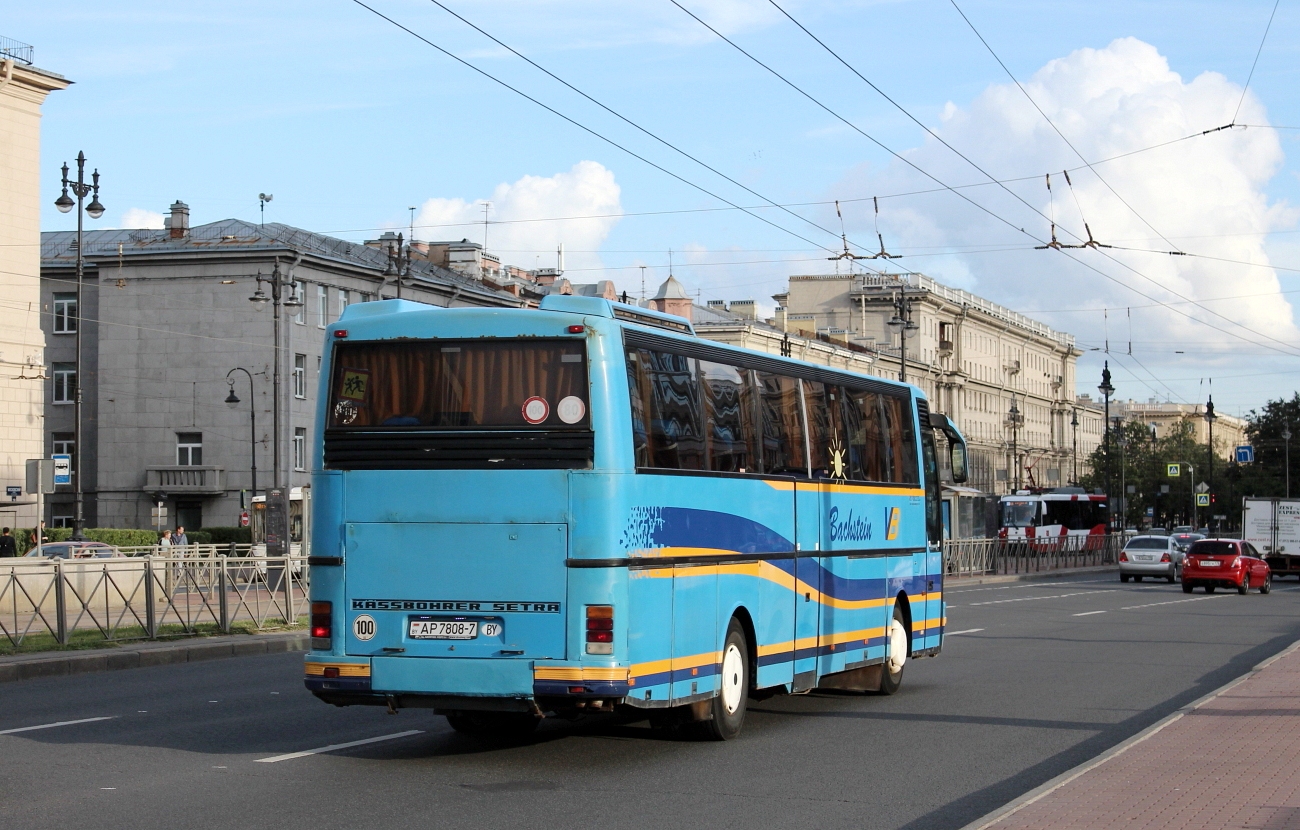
(460, 384)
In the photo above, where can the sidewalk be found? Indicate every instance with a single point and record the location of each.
(1230, 760)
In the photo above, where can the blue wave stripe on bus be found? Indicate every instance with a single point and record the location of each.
(687, 527)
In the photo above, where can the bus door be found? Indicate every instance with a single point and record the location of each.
(808, 582)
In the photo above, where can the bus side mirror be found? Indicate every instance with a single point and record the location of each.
(957, 460)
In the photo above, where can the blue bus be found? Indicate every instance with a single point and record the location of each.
(587, 508)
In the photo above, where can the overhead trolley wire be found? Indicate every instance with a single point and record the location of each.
(585, 128)
(1255, 62)
(627, 120)
(1053, 243)
(990, 212)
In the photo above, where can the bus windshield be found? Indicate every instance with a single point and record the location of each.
(460, 384)
(1019, 513)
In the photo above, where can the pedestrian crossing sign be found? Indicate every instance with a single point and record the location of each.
(1202, 499)
(1172, 470)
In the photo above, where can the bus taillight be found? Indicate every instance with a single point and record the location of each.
(600, 629)
(322, 614)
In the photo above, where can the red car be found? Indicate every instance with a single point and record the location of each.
(1227, 563)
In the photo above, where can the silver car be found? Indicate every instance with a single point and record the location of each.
(1154, 556)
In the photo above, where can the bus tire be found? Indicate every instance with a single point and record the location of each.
(497, 725)
(900, 647)
(729, 704)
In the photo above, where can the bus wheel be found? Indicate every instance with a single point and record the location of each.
(499, 725)
(729, 705)
(900, 645)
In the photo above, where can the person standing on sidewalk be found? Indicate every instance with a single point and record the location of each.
(166, 542)
(38, 536)
(8, 544)
(180, 538)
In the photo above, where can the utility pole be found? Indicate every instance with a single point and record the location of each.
(1210, 417)
(1106, 389)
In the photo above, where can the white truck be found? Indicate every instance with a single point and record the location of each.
(1273, 526)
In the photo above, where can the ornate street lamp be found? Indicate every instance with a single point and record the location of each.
(1106, 389)
(233, 401)
(94, 210)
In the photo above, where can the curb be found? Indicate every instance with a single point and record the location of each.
(27, 667)
(1043, 790)
(958, 581)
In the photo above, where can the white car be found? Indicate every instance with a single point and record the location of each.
(1154, 556)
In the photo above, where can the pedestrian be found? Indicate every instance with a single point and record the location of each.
(166, 541)
(179, 538)
(8, 544)
(38, 536)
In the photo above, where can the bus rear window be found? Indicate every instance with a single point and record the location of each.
(460, 384)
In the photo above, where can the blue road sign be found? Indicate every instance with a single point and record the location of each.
(62, 468)
(1245, 454)
(13, 490)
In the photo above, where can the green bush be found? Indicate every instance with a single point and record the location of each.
(122, 537)
(199, 537)
(229, 535)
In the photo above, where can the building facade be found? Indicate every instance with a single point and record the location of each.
(168, 323)
(23, 89)
(1229, 430)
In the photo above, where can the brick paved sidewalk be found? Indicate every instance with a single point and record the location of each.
(1231, 762)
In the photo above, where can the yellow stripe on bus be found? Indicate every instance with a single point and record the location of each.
(345, 669)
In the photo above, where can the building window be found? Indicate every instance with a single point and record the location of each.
(61, 520)
(322, 306)
(65, 382)
(189, 449)
(300, 291)
(300, 376)
(300, 448)
(65, 313)
(343, 301)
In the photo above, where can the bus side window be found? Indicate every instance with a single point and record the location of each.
(864, 422)
(638, 392)
(900, 440)
(825, 423)
(782, 435)
(729, 414)
(676, 438)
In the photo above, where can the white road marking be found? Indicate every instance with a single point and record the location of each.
(967, 631)
(1087, 613)
(333, 747)
(960, 590)
(1053, 596)
(52, 725)
(1173, 602)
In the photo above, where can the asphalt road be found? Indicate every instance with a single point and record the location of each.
(1047, 675)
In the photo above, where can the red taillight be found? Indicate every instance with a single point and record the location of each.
(600, 629)
(576, 329)
(322, 623)
(1123, 557)
(1165, 558)
(340, 332)
(331, 671)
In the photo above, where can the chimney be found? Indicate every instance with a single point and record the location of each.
(179, 222)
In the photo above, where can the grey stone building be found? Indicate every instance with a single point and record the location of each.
(167, 316)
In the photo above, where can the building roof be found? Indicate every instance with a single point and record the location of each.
(671, 290)
(59, 248)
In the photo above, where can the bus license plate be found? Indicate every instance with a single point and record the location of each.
(443, 630)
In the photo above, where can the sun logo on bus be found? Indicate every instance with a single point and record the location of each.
(837, 459)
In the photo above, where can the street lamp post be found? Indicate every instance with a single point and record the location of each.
(1286, 436)
(277, 300)
(1106, 389)
(902, 323)
(233, 400)
(399, 262)
(1014, 420)
(1074, 444)
(94, 210)
(1210, 418)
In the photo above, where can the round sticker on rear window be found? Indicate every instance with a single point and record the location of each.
(536, 410)
(571, 409)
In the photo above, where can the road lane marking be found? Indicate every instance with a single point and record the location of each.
(1173, 602)
(333, 747)
(1053, 596)
(1087, 613)
(960, 590)
(967, 631)
(52, 725)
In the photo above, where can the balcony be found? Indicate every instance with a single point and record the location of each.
(184, 481)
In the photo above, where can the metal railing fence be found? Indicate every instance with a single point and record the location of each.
(980, 557)
(147, 597)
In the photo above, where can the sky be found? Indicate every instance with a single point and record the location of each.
(654, 140)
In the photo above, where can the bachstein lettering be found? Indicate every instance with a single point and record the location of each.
(852, 529)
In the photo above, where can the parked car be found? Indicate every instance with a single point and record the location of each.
(75, 550)
(1184, 540)
(1149, 555)
(1225, 563)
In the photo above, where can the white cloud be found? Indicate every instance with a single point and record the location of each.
(1108, 102)
(586, 190)
(141, 218)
